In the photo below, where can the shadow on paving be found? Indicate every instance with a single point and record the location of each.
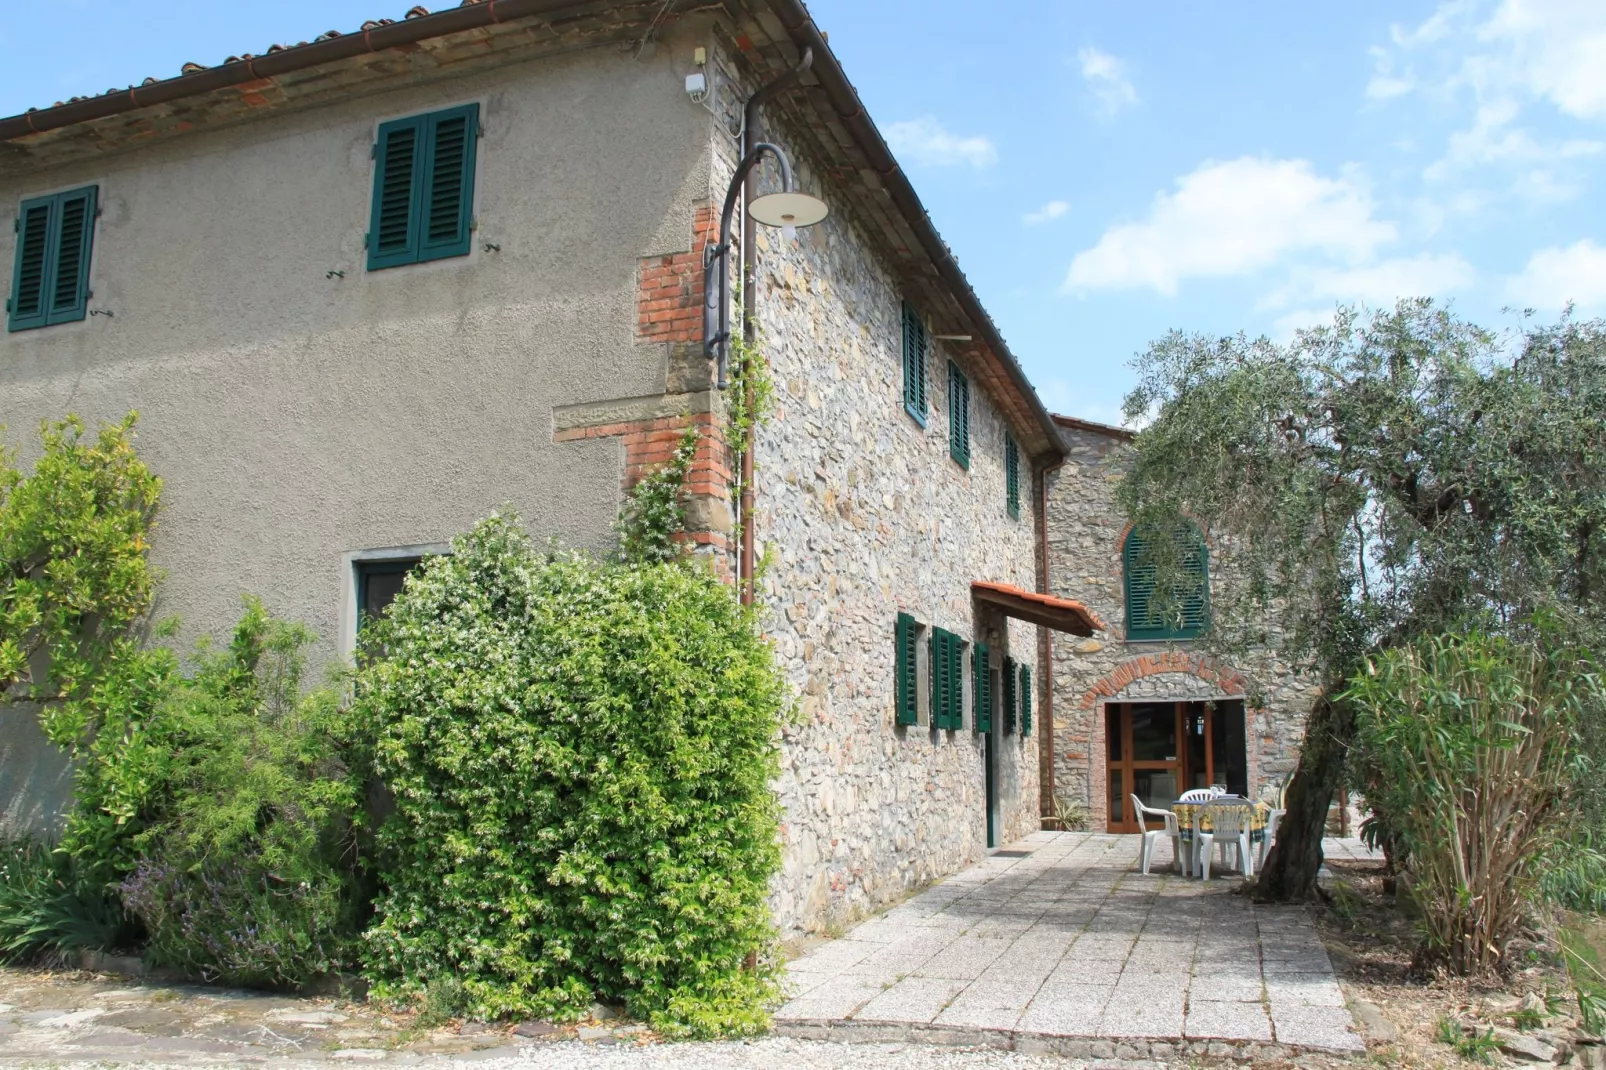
(1071, 949)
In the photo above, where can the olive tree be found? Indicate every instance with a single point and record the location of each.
(1370, 483)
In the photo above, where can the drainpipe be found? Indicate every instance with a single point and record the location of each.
(745, 561)
(1045, 645)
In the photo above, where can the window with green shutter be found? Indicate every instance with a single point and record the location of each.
(1187, 609)
(1011, 477)
(947, 679)
(1025, 700)
(423, 188)
(982, 704)
(914, 365)
(906, 686)
(1009, 695)
(50, 274)
(958, 415)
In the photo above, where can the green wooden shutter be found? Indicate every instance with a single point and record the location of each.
(956, 716)
(958, 415)
(74, 238)
(908, 699)
(1011, 477)
(447, 205)
(982, 719)
(1009, 695)
(1140, 576)
(914, 364)
(1026, 700)
(393, 237)
(1143, 618)
(50, 274)
(29, 270)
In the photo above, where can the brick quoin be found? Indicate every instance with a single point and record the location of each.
(669, 291)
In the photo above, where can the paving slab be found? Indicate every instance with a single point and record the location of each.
(1071, 941)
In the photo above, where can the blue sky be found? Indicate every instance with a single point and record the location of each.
(1108, 171)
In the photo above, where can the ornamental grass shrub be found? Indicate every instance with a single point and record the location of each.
(581, 756)
(251, 847)
(1469, 749)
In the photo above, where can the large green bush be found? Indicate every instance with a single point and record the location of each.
(581, 755)
(1468, 748)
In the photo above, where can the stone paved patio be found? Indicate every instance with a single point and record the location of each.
(1070, 941)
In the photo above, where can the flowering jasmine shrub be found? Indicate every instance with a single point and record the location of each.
(581, 756)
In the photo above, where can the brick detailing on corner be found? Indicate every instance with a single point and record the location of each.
(1228, 681)
(650, 443)
(669, 291)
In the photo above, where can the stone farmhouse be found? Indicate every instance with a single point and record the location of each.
(363, 290)
(366, 289)
(1136, 709)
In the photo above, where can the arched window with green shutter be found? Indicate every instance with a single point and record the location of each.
(1185, 612)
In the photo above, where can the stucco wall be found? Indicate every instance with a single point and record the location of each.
(296, 417)
(862, 514)
(1085, 531)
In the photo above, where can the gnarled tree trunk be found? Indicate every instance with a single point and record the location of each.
(1296, 854)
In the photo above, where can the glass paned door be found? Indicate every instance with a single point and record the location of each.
(1144, 751)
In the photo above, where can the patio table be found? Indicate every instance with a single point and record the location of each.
(1186, 813)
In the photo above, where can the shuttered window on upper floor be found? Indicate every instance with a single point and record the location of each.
(1183, 609)
(958, 415)
(423, 188)
(915, 348)
(50, 273)
(1011, 477)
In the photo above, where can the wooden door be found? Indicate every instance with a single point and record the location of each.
(1146, 756)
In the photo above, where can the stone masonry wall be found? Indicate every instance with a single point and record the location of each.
(1085, 531)
(862, 514)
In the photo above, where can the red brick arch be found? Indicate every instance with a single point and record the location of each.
(1230, 681)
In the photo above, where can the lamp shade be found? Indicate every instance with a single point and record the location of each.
(787, 210)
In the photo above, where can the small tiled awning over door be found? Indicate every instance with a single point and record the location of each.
(1061, 614)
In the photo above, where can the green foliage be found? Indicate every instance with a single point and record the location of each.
(581, 756)
(1370, 483)
(48, 905)
(749, 402)
(73, 571)
(1467, 741)
(655, 511)
(249, 834)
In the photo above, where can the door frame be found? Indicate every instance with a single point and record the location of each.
(1179, 766)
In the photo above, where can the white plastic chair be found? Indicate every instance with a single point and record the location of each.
(1272, 819)
(1169, 828)
(1229, 825)
(1193, 795)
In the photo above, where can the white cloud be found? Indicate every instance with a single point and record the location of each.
(1556, 276)
(1385, 81)
(1050, 211)
(1285, 327)
(1232, 218)
(1556, 49)
(927, 143)
(1380, 284)
(1509, 55)
(1106, 76)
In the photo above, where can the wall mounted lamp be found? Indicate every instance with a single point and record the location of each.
(789, 209)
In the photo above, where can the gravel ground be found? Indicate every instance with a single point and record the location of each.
(770, 1053)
